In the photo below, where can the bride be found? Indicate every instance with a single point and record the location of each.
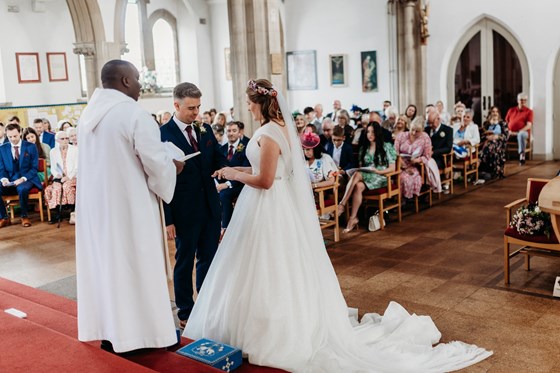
(272, 291)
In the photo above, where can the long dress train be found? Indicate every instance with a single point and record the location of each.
(272, 291)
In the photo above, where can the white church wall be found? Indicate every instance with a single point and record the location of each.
(335, 27)
(531, 26)
(219, 26)
(38, 32)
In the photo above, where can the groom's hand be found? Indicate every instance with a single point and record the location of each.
(171, 232)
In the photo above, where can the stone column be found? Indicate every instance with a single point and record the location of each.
(250, 51)
(92, 75)
(409, 54)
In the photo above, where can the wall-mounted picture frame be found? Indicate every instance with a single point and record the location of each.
(227, 60)
(28, 68)
(337, 64)
(302, 70)
(369, 71)
(57, 66)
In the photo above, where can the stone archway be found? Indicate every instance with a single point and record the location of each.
(90, 36)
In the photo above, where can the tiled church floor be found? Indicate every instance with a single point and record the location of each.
(445, 262)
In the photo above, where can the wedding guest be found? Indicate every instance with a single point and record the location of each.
(379, 157)
(300, 122)
(229, 190)
(319, 113)
(327, 126)
(165, 117)
(341, 152)
(43, 135)
(493, 152)
(123, 295)
(411, 112)
(415, 148)
(364, 121)
(43, 150)
(444, 116)
(344, 123)
(18, 172)
(465, 134)
(218, 133)
(441, 137)
(206, 117)
(73, 136)
(64, 168)
(401, 125)
(391, 113)
(520, 122)
(63, 125)
(220, 119)
(321, 167)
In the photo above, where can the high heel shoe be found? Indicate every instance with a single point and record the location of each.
(352, 223)
(340, 209)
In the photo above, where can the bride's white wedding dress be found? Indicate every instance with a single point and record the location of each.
(272, 292)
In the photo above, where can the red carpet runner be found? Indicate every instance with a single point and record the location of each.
(46, 341)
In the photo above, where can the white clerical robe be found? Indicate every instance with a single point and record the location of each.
(122, 167)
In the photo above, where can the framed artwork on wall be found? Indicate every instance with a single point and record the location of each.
(338, 70)
(58, 69)
(369, 71)
(28, 67)
(302, 70)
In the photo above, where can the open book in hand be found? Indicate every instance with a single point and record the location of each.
(352, 171)
(415, 154)
(176, 153)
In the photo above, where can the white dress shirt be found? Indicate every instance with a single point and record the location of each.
(336, 153)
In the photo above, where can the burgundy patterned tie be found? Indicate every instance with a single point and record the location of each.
(194, 144)
(16, 152)
(230, 153)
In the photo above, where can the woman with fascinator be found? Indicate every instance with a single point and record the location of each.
(272, 291)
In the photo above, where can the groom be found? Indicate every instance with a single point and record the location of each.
(193, 216)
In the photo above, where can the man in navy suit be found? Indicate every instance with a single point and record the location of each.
(234, 151)
(18, 172)
(440, 134)
(193, 215)
(341, 152)
(44, 136)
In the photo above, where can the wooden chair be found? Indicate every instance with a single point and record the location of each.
(383, 195)
(425, 189)
(446, 174)
(326, 202)
(530, 245)
(513, 147)
(34, 194)
(468, 165)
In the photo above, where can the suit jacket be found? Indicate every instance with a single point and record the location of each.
(442, 142)
(346, 156)
(326, 143)
(28, 163)
(195, 197)
(239, 159)
(48, 138)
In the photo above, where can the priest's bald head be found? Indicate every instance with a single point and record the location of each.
(122, 76)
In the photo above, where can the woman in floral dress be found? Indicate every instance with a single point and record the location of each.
(415, 147)
(376, 158)
(493, 153)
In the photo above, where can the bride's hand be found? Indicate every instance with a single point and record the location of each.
(228, 173)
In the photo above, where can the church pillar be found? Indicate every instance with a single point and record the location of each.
(250, 51)
(409, 53)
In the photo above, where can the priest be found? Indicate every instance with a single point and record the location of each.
(123, 168)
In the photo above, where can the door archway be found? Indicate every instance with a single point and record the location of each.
(488, 67)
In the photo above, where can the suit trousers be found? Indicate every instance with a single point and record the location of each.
(227, 198)
(22, 190)
(198, 239)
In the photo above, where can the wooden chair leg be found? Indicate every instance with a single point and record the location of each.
(527, 262)
(399, 208)
(41, 209)
(465, 169)
(381, 214)
(430, 197)
(416, 198)
(506, 261)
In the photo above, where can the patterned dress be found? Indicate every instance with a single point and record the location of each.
(373, 180)
(493, 153)
(420, 148)
(61, 194)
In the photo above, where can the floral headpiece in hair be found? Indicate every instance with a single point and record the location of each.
(262, 90)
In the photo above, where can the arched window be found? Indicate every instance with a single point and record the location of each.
(164, 53)
(132, 35)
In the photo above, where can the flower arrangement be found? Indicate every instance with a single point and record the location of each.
(530, 220)
(148, 79)
(200, 127)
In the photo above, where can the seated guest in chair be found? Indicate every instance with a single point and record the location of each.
(440, 135)
(415, 148)
(18, 172)
(234, 151)
(493, 152)
(378, 157)
(321, 166)
(43, 150)
(520, 122)
(465, 133)
(341, 152)
(64, 168)
(42, 131)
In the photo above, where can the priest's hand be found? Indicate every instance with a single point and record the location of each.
(171, 232)
(179, 166)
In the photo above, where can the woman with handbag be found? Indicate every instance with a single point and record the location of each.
(376, 158)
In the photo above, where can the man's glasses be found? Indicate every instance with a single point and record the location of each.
(64, 138)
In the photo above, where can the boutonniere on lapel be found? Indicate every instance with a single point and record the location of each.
(200, 126)
(442, 134)
(239, 148)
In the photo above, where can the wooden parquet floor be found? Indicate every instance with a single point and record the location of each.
(445, 262)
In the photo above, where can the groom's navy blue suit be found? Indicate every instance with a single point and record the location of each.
(195, 211)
